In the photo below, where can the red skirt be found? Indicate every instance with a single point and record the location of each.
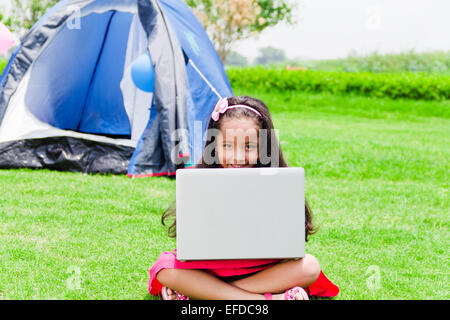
(322, 287)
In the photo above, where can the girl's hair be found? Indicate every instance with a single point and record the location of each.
(264, 122)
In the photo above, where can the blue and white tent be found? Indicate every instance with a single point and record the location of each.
(68, 102)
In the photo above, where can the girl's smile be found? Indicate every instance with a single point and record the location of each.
(237, 144)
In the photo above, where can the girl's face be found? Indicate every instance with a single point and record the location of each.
(237, 144)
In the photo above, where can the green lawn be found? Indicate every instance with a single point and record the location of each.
(377, 181)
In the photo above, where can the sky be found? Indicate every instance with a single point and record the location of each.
(327, 29)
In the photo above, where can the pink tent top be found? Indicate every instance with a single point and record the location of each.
(6, 38)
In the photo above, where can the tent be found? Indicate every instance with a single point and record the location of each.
(68, 101)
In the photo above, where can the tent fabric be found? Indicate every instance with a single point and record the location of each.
(137, 103)
(67, 154)
(90, 99)
(19, 123)
(195, 43)
(169, 95)
(71, 80)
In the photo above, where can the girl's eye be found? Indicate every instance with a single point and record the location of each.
(250, 147)
(227, 145)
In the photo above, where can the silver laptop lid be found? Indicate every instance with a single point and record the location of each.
(243, 213)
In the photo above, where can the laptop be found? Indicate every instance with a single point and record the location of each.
(240, 213)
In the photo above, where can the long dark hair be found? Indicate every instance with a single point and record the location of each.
(273, 148)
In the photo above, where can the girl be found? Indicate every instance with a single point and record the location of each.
(234, 136)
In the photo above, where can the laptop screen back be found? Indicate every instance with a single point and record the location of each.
(244, 213)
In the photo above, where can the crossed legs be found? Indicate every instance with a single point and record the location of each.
(198, 284)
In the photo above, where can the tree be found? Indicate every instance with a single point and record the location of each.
(228, 21)
(270, 55)
(25, 13)
(236, 59)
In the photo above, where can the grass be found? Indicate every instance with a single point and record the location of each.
(377, 181)
(57, 228)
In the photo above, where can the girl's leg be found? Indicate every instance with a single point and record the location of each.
(198, 284)
(282, 276)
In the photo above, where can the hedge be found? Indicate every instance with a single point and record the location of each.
(392, 85)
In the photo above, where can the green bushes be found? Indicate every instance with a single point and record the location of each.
(3, 63)
(392, 85)
(427, 62)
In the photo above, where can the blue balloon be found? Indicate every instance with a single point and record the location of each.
(143, 74)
